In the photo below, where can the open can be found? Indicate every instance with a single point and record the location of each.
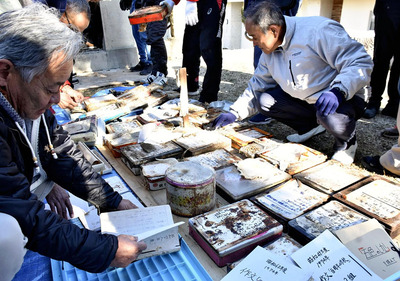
(190, 188)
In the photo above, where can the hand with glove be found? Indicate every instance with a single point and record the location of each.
(169, 4)
(329, 101)
(224, 119)
(191, 17)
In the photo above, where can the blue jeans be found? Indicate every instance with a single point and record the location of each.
(140, 38)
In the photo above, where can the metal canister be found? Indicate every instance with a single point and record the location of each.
(190, 188)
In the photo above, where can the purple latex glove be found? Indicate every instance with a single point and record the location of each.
(329, 101)
(224, 119)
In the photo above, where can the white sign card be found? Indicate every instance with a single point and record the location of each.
(261, 264)
(330, 260)
(373, 246)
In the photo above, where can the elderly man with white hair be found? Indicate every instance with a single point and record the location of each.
(36, 58)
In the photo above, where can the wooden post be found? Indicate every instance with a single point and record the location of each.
(184, 97)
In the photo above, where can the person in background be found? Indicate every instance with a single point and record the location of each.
(288, 8)
(203, 38)
(35, 148)
(145, 65)
(311, 76)
(76, 14)
(389, 162)
(386, 49)
(155, 32)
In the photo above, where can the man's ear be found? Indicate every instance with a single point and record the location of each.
(275, 30)
(5, 68)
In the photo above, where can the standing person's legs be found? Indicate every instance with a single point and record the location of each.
(191, 55)
(12, 247)
(211, 18)
(383, 53)
(155, 33)
(392, 88)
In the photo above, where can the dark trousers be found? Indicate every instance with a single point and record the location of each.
(386, 47)
(302, 116)
(158, 52)
(204, 40)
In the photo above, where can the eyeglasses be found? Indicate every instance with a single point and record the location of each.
(66, 16)
(70, 25)
(248, 37)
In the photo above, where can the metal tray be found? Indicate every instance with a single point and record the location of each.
(377, 197)
(333, 215)
(290, 200)
(230, 181)
(331, 176)
(294, 157)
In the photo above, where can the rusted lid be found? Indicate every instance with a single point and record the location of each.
(189, 174)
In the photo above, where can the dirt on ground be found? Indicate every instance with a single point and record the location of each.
(237, 70)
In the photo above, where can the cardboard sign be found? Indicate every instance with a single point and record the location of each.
(373, 246)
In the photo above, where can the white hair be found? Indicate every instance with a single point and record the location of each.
(31, 36)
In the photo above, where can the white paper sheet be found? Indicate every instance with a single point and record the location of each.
(329, 259)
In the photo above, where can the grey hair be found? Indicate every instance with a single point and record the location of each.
(75, 7)
(31, 36)
(264, 14)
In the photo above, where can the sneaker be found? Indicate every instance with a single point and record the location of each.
(148, 67)
(390, 133)
(346, 156)
(138, 67)
(302, 138)
(260, 119)
(370, 112)
(149, 79)
(372, 164)
(160, 79)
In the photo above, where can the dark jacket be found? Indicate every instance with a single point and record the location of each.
(47, 233)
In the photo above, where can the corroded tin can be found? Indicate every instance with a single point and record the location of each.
(190, 188)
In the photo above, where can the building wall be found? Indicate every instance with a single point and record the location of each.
(357, 14)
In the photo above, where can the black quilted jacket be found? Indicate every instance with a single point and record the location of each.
(47, 233)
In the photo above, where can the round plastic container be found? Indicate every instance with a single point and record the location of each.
(190, 188)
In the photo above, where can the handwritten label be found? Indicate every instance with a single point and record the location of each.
(262, 264)
(330, 260)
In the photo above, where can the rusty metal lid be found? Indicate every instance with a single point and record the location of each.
(189, 174)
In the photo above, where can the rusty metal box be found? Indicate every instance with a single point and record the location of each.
(135, 155)
(377, 197)
(229, 233)
(333, 215)
(331, 176)
(216, 159)
(290, 200)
